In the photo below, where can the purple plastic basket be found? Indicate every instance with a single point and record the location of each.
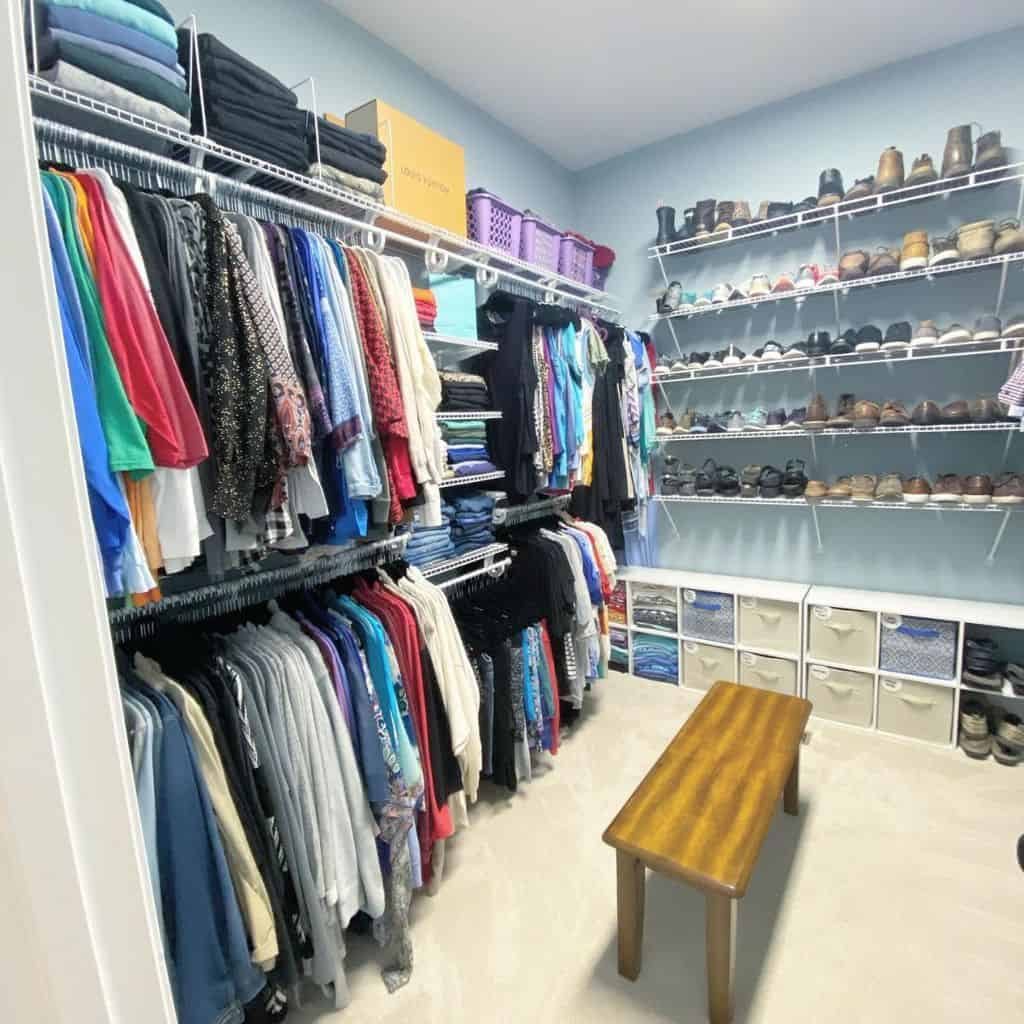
(576, 259)
(493, 222)
(539, 242)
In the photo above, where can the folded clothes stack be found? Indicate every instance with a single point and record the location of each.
(461, 392)
(473, 522)
(247, 108)
(347, 158)
(463, 431)
(431, 543)
(655, 657)
(120, 53)
(426, 307)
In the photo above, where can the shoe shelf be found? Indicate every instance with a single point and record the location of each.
(470, 414)
(469, 481)
(897, 357)
(653, 631)
(784, 432)
(348, 209)
(847, 209)
(453, 341)
(798, 295)
(847, 503)
(485, 555)
(1006, 690)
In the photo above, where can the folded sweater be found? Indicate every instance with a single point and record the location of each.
(105, 30)
(357, 143)
(222, 63)
(126, 14)
(173, 76)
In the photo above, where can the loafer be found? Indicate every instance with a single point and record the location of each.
(926, 414)
(816, 490)
(956, 412)
(893, 415)
(987, 328)
(783, 283)
(944, 250)
(926, 335)
(978, 489)
(948, 488)
(884, 261)
(866, 414)
(770, 482)
(869, 339)
(986, 410)
(897, 336)
(955, 333)
(889, 488)
(1009, 238)
(853, 265)
(817, 414)
(841, 489)
(844, 413)
(862, 487)
(916, 490)
(1008, 489)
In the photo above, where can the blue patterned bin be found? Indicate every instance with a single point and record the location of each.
(708, 615)
(918, 647)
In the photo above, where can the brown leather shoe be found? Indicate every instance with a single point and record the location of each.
(986, 410)
(956, 412)
(853, 265)
(894, 415)
(923, 172)
(978, 489)
(948, 488)
(890, 170)
(916, 490)
(815, 490)
(844, 412)
(990, 151)
(926, 414)
(956, 157)
(884, 261)
(976, 240)
(1008, 489)
(866, 414)
(841, 489)
(914, 253)
(863, 487)
(817, 414)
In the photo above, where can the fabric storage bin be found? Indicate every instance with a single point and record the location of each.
(841, 634)
(841, 695)
(708, 615)
(493, 222)
(539, 242)
(618, 657)
(917, 710)
(655, 606)
(918, 647)
(655, 657)
(775, 674)
(704, 665)
(773, 625)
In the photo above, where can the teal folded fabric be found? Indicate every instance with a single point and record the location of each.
(128, 76)
(126, 14)
(154, 7)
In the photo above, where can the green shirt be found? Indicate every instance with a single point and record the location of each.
(123, 430)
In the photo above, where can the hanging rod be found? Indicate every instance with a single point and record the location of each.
(229, 595)
(494, 570)
(515, 515)
(441, 246)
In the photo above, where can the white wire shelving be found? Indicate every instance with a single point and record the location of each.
(469, 481)
(826, 215)
(843, 503)
(184, 153)
(470, 414)
(453, 341)
(785, 432)
(516, 515)
(799, 295)
(485, 555)
(900, 357)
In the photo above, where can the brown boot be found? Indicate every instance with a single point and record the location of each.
(990, 152)
(956, 157)
(890, 170)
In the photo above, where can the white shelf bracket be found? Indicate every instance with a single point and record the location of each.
(814, 463)
(675, 338)
(991, 556)
(373, 239)
(817, 528)
(436, 260)
(486, 277)
(671, 521)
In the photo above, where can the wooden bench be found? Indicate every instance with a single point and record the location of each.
(701, 815)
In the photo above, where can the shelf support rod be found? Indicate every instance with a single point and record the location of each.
(817, 527)
(991, 556)
(675, 338)
(671, 522)
(661, 266)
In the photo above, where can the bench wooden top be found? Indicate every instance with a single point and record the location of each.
(703, 810)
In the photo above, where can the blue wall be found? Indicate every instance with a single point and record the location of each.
(776, 153)
(350, 66)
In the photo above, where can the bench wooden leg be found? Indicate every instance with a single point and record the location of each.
(632, 879)
(721, 943)
(791, 795)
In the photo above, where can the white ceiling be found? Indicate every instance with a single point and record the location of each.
(586, 80)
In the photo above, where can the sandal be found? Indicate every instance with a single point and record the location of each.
(706, 477)
(794, 481)
(770, 482)
(727, 483)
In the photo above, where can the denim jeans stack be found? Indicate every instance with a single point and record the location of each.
(431, 543)
(473, 522)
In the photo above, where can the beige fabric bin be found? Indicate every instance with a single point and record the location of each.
(843, 635)
(775, 674)
(773, 625)
(917, 710)
(704, 665)
(841, 695)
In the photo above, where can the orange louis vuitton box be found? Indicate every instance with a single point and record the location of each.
(426, 171)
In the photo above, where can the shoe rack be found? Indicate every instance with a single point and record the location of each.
(882, 662)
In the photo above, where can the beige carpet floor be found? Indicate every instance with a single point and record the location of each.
(895, 896)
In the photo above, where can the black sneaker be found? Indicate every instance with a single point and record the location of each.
(718, 358)
(732, 356)
(748, 481)
(844, 343)
(670, 484)
(687, 480)
(697, 360)
(776, 419)
(818, 343)
(797, 351)
(727, 483)
(794, 481)
(796, 418)
(772, 350)
(700, 424)
(770, 482)
(705, 479)
(719, 423)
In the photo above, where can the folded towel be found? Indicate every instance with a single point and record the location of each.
(126, 14)
(175, 76)
(104, 30)
(128, 76)
(74, 79)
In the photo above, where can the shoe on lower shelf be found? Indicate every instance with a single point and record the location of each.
(770, 482)
(987, 328)
(862, 486)
(816, 490)
(926, 335)
(794, 480)
(866, 414)
(978, 489)
(841, 489)
(894, 415)
(869, 339)
(1014, 327)
(844, 413)
(975, 740)
(955, 334)
(757, 420)
(917, 490)
(817, 414)
(890, 488)
(949, 488)
(1008, 489)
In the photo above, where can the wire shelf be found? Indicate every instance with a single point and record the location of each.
(827, 215)
(470, 414)
(453, 341)
(468, 481)
(515, 515)
(844, 287)
(484, 554)
(784, 432)
(844, 503)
